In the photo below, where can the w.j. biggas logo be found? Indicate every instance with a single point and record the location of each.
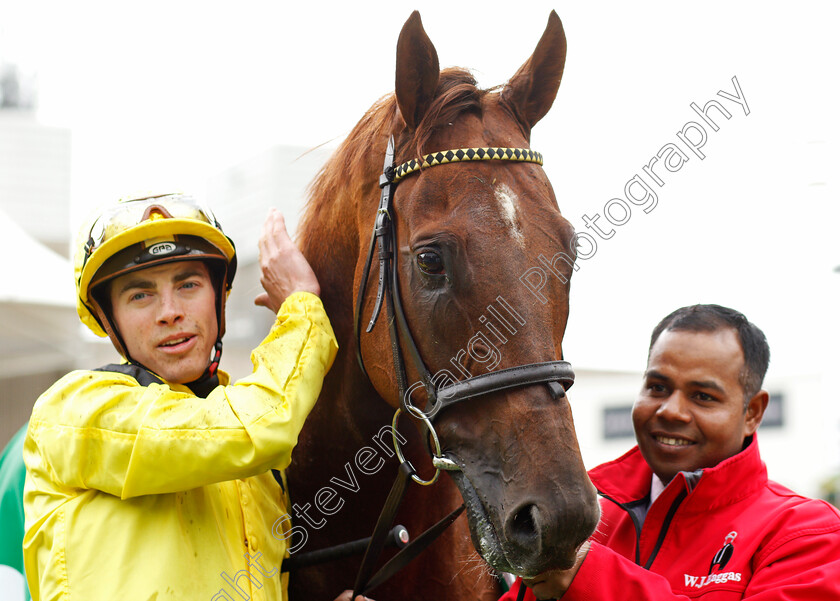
(162, 248)
(719, 562)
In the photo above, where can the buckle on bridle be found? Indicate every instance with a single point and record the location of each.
(438, 460)
(387, 176)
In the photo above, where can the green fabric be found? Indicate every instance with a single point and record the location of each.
(12, 477)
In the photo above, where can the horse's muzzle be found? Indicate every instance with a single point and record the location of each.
(540, 535)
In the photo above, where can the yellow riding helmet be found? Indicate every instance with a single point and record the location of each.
(137, 233)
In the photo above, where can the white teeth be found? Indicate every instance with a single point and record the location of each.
(677, 442)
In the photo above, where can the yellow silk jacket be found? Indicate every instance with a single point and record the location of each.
(152, 493)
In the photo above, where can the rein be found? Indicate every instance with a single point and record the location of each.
(556, 375)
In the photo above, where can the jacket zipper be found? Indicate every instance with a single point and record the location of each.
(664, 530)
(638, 525)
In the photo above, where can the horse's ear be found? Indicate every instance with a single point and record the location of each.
(531, 92)
(418, 71)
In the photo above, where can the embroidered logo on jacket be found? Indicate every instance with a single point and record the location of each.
(721, 577)
(723, 555)
(719, 561)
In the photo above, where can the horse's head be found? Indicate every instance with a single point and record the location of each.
(466, 233)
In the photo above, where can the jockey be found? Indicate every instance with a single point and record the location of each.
(157, 477)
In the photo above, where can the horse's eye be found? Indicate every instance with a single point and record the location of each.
(430, 262)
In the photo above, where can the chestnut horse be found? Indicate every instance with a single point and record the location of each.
(465, 233)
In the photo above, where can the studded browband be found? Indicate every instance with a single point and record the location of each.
(525, 155)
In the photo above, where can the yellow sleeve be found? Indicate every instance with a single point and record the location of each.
(101, 430)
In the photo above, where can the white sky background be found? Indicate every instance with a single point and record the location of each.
(162, 95)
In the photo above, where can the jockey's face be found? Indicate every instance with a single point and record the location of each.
(167, 318)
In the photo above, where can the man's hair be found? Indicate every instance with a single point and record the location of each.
(710, 318)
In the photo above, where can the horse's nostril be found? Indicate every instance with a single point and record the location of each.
(522, 527)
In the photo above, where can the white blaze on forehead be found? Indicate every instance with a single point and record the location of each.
(508, 200)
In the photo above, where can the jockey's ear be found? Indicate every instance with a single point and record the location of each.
(531, 91)
(417, 73)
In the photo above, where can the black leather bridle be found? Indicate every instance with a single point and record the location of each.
(557, 375)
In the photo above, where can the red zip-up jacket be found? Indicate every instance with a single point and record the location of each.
(719, 534)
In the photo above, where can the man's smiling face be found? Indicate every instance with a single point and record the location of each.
(690, 412)
(167, 318)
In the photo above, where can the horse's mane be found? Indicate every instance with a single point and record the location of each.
(353, 169)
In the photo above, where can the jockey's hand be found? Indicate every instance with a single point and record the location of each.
(345, 596)
(283, 267)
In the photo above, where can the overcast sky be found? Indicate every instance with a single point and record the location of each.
(163, 95)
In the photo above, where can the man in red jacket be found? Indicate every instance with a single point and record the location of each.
(690, 513)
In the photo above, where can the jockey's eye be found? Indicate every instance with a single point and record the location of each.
(430, 262)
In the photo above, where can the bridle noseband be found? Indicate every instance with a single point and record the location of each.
(557, 375)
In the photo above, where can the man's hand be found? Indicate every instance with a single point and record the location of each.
(345, 596)
(554, 584)
(283, 267)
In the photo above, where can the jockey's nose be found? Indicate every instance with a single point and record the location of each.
(170, 309)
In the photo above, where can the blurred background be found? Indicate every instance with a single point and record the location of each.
(242, 104)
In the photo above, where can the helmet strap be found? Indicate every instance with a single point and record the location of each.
(209, 379)
(217, 356)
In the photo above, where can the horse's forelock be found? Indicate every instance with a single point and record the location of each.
(456, 94)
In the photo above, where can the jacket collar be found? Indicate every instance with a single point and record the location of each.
(628, 479)
(204, 388)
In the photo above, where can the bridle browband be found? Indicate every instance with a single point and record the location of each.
(557, 375)
(493, 153)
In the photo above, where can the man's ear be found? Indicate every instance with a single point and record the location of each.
(755, 411)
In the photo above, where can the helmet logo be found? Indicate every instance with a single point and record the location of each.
(162, 248)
